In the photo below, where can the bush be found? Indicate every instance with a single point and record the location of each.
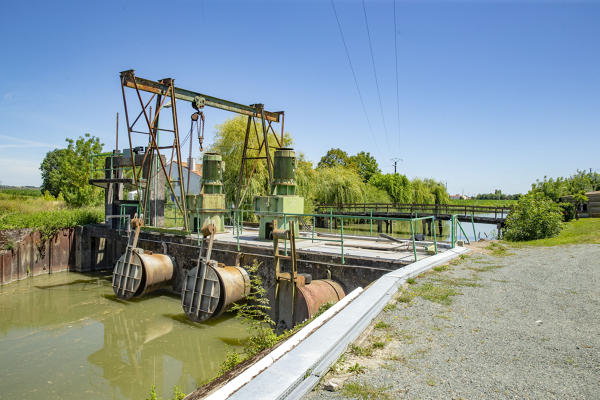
(533, 217)
(49, 222)
(568, 211)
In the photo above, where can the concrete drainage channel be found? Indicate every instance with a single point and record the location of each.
(294, 368)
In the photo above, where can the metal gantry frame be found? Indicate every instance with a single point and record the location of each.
(165, 88)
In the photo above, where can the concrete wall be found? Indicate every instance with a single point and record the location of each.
(96, 248)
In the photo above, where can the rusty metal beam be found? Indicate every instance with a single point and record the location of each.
(130, 80)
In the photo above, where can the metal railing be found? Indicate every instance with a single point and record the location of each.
(434, 209)
(238, 219)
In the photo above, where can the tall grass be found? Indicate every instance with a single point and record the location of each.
(43, 213)
(22, 192)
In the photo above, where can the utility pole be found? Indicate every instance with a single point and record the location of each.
(395, 161)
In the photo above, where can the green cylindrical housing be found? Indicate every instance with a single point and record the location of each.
(212, 173)
(284, 171)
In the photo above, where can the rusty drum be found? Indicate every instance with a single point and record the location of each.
(144, 273)
(210, 288)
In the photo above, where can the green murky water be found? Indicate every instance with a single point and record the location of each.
(66, 336)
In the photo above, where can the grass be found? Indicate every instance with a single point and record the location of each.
(49, 222)
(356, 369)
(361, 351)
(24, 208)
(491, 203)
(365, 391)
(497, 250)
(488, 203)
(457, 282)
(382, 325)
(441, 294)
(582, 231)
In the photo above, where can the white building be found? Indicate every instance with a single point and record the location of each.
(195, 176)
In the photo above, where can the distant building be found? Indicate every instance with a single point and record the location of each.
(459, 197)
(195, 176)
(591, 208)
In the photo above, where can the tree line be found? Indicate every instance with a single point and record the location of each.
(337, 178)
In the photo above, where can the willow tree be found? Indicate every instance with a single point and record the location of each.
(338, 185)
(397, 186)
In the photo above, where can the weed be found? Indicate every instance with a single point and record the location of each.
(378, 344)
(364, 391)
(405, 297)
(497, 250)
(389, 307)
(418, 353)
(356, 368)
(232, 359)
(437, 294)
(485, 268)
(178, 394)
(458, 282)
(361, 351)
(153, 394)
(441, 268)
(338, 366)
(447, 318)
(381, 325)
(9, 245)
(431, 382)
(411, 281)
(405, 336)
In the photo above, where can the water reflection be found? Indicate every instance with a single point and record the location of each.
(65, 335)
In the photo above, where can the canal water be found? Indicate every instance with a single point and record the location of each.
(401, 230)
(66, 336)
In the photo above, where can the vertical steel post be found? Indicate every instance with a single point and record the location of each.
(473, 223)
(371, 223)
(412, 233)
(330, 218)
(434, 236)
(313, 229)
(342, 236)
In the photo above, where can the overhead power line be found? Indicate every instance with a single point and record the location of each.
(375, 73)
(397, 85)
(362, 102)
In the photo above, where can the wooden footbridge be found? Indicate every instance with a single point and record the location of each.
(441, 212)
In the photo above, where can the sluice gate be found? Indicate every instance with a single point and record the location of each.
(210, 287)
(138, 271)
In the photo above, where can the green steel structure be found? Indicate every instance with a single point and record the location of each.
(209, 205)
(283, 199)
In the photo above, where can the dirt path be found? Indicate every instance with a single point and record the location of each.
(517, 324)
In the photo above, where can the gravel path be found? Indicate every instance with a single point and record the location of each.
(525, 325)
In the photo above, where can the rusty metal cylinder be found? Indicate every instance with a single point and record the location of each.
(293, 305)
(209, 294)
(317, 293)
(145, 273)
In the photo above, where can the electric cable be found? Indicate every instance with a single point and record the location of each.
(362, 102)
(375, 73)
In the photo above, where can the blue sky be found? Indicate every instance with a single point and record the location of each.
(491, 94)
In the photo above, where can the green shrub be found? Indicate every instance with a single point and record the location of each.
(568, 211)
(49, 222)
(533, 217)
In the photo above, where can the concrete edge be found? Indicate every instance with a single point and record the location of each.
(298, 371)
